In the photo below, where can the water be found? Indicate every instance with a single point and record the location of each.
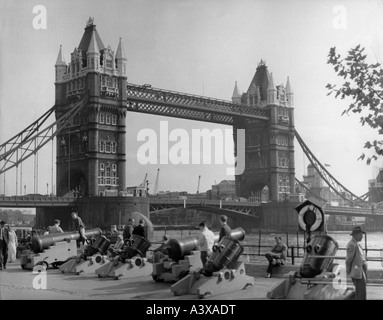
(252, 241)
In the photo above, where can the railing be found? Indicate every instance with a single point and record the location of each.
(294, 241)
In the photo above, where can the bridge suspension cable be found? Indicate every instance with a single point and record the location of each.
(27, 142)
(333, 183)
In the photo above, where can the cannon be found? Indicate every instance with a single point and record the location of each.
(130, 263)
(54, 249)
(93, 257)
(222, 272)
(316, 278)
(182, 257)
(320, 245)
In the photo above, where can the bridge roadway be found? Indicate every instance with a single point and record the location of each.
(162, 204)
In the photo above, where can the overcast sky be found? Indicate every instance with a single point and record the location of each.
(198, 47)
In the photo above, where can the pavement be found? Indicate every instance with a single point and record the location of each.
(18, 284)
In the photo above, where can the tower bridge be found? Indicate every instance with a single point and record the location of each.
(92, 101)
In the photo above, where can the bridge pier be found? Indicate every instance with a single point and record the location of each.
(96, 212)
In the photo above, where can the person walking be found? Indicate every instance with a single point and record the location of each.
(356, 263)
(4, 238)
(205, 242)
(12, 244)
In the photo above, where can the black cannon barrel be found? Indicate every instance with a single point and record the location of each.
(320, 245)
(178, 248)
(39, 243)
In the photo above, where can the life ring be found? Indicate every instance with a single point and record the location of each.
(318, 217)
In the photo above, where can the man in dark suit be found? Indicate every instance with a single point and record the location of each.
(4, 238)
(225, 230)
(356, 264)
(128, 230)
(140, 230)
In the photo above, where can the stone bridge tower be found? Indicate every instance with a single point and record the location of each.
(269, 146)
(91, 150)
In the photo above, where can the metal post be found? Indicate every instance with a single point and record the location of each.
(298, 242)
(292, 255)
(21, 179)
(287, 238)
(259, 242)
(52, 166)
(17, 171)
(365, 243)
(69, 159)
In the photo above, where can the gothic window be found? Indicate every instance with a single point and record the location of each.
(107, 118)
(107, 175)
(101, 176)
(92, 63)
(107, 146)
(109, 82)
(114, 119)
(101, 118)
(102, 166)
(102, 146)
(109, 62)
(113, 147)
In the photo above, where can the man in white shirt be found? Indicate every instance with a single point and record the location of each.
(205, 242)
(56, 227)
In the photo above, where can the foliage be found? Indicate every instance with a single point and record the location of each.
(363, 83)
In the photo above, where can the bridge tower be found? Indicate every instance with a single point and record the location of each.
(269, 146)
(91, 150)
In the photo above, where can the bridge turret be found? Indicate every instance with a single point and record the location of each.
(289, 93)
(271, 91)
(60, 66)
(93, 53)
(121, 60)
(236, 97)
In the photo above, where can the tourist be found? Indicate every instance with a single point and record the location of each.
(140, 230)
(46, 232)
(79, 226)
(128, 230)
(4, 237)
(205, 242)
(160, 252)
(277, 256)
(56, 227)
(356, 264)
(225, 230)
(12, 244)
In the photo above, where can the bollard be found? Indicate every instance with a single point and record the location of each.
(292, 255)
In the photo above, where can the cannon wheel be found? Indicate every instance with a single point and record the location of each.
(23, 266)
(156, 278)
(43, 263)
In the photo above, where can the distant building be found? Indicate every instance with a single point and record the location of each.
(223, 190)
(375, 188)
(317, 186)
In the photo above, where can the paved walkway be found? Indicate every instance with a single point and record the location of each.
(16, 283)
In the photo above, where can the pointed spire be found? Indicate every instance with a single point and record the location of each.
(271, 86)
(120, 53)
(60, 59)
(93, 47)
(288, 87)
(289, 93)
(236, 92)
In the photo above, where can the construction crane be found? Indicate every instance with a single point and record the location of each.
(156, 184)
(144, 182)
(199, 179)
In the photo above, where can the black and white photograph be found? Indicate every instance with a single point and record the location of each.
(191, 155)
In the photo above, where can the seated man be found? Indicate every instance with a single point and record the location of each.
(277, 256)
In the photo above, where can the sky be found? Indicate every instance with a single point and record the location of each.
(198, 47)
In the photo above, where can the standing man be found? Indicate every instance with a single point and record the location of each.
(4, 238)
(140, 230)
(356, 264)
(205, 242)
(79, 225)
(225, 230)
(56, 227)
(128, 230)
